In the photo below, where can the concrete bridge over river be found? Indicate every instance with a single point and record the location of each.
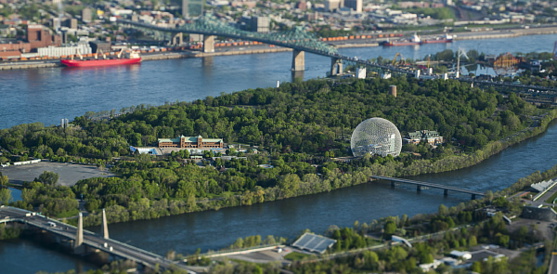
(83, 241)
(423, 185)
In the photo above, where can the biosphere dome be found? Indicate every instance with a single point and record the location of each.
(376, 136)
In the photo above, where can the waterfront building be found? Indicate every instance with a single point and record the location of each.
(39, 36)
(190, 142)
(76, 49)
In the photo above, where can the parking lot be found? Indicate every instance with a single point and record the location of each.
(69, 173)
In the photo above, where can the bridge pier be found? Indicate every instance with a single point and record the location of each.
(446, 192)
(298, 60)
(297, 75)
(336, 67)
(393, 184)
(473, 196)
(361, 72)
(177, 39)
(419, 188)
(208, 43)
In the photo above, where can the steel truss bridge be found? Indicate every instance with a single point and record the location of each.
(301, 41)
(297, 39)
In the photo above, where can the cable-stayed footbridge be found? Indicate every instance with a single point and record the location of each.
(83, 241)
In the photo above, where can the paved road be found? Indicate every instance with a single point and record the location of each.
(552, 264)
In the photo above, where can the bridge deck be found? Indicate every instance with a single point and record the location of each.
(305, 43)
(111, 246)
(431, 185)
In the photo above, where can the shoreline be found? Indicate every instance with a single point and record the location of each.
(489, 34)
(477, 157)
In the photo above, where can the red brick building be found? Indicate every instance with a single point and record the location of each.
(39, 36)
(10, 54)
(191, 142)
(20, 46)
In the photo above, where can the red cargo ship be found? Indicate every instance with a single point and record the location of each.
(128, 59)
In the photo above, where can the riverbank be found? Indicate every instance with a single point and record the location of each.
(507, 33)
(262, 49)
(356, 176)
(196, 54)
(149, 57)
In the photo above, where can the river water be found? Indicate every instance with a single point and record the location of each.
(50, 94)
(46, 95)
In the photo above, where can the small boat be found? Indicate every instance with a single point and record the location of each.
(123, 58)
(414, 41)
(437, 40)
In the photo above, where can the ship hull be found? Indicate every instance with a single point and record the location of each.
(437, 41)
(434, 41)
(397, 44)
(100, 62)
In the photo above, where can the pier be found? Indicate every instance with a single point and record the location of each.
(422, 185)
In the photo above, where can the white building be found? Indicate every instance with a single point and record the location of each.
(52, 51)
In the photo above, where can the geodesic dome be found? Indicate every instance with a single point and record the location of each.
(376, 136)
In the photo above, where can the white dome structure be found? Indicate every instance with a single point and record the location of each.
(376, 136)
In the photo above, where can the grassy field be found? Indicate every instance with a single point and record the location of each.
(295, 256)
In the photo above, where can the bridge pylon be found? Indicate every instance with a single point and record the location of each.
(298, 60)
(79, 233)
(105, 225)
(336, 66)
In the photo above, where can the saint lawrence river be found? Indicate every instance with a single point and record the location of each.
(46, 95)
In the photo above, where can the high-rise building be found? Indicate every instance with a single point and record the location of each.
(192, 8)
(260, 24)
(86, 15)
(333, 5)
(71, 23)
(356, 5)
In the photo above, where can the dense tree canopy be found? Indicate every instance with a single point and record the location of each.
(310, 117)
(297, 128)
